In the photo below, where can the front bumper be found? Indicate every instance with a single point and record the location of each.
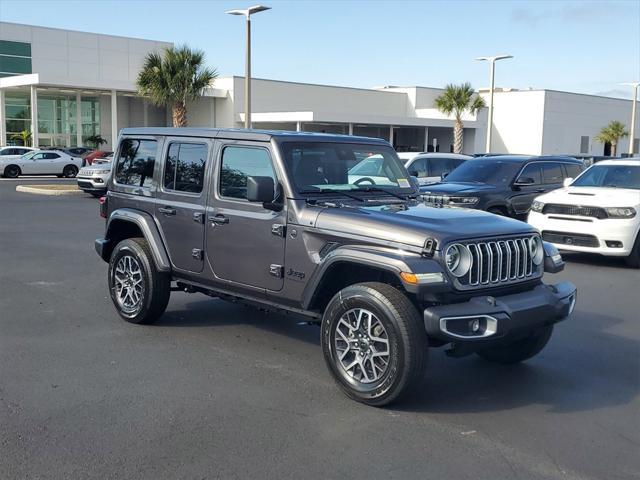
(486, 319)
(611, 237)
(92, 184)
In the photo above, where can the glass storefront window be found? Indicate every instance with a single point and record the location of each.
(18, 115)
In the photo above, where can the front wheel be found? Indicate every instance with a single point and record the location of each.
(70, 171)
(520, 350)
(374, 343)
(138, 290)
(12, 171)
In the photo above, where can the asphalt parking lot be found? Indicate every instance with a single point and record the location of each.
(217, 390)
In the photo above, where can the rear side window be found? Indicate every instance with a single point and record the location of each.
(438, 166)
(238, 163)
(135, 162)
(184, 168)
(552, 173)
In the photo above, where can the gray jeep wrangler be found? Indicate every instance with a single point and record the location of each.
(278, 220)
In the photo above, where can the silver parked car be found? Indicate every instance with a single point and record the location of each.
(93, 178)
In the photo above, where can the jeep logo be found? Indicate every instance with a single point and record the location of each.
(295, 274)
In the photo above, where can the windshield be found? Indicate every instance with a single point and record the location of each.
(316, 166)
(614, 176)
(493, 172)
(28, 155)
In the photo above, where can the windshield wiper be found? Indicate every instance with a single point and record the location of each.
(339, 192)
(380, 189)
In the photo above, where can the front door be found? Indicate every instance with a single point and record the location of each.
(527, 187)
(245, 242)
(41, 163)
(181, 200)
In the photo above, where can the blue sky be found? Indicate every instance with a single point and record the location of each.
(581, 46)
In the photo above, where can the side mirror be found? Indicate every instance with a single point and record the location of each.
(525, 181)
(414, 182)
(260, 189)
(567, 181)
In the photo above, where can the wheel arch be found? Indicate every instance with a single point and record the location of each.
(128, 223)
(348, 265)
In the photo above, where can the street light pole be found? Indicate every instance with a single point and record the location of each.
(632, 132)
(247, 67)
(492, 61)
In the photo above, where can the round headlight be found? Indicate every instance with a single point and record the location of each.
(536, 250)
(457, 258)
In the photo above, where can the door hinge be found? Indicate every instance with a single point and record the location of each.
(276, 270)
(278, 229)
(196, 253)
(198, 217)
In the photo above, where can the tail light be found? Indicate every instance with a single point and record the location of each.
(103, 207)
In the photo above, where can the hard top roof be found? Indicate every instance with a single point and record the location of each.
(528, 158)
(251, 134)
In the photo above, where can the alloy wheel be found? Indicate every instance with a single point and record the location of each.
(129, 284)
(362, 346)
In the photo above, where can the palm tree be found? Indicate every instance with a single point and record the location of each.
(24, 136)
(95, 140)
(457, 99)
(174, 78)
(612, 134)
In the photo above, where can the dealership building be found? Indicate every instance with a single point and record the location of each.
(65, 86)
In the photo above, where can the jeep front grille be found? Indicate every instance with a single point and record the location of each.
(498, 262)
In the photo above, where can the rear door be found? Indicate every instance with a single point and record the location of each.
(181, 200)
(245, 242)
(552, 175)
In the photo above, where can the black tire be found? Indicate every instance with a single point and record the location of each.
(520, 350)
(633, 260)
(70, 171)
(156, 285)
(12, 171)
(405, 334)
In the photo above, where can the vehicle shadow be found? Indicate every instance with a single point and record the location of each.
(215, 313)
(584, 366)
(594, 259)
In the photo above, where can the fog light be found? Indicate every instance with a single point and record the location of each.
(475, 325)
(613, 244)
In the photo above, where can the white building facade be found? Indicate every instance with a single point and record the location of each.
(65, 86)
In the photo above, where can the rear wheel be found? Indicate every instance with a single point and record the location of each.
(138, 290)
(12, 171)
(633, 260)
(520, 350)
(70, 171)
(374, 343)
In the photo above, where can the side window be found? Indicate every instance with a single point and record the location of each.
(418, 168)
(51, 156)
(39, 156)
(238, 163)
(572, 170)
(184, 167)
(438, 166)
(135, 162)
(531, 172)
(552, 173)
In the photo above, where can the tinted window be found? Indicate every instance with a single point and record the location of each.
(238, 163)
(552, 173)
(493, 172)
(135, 162)
(572, 170)
(531, 172)
(184, 168)
(438, 166)
(418, 168)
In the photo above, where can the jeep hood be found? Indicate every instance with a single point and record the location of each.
(412, 226)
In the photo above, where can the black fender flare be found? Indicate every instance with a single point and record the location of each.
(149, 230)
(388, 259)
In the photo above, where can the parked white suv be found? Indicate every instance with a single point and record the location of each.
(598, 212)
(432, 167)
(41, 162)
(93, 178)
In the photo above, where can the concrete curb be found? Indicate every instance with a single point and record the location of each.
(53, 190)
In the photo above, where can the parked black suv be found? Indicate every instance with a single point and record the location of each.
(504, 185)
(275, 220)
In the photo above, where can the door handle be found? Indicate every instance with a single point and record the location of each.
(540, 190)
(167, 210)
(218, 219)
